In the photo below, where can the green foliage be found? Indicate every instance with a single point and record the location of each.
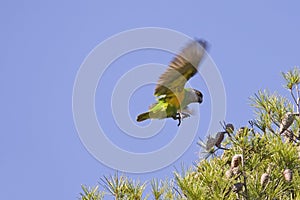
(257, 161)
(91, 193)
(203, 183)
(292, 78)
(163, 190)
(123, 188)
(269, 110)
(260, 153)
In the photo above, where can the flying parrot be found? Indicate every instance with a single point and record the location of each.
(172, 97)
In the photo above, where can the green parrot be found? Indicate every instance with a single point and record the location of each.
(172, 97)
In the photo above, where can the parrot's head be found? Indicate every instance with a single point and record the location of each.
(192, 96)
(198, 96)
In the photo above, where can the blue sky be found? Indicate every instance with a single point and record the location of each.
(43, 45)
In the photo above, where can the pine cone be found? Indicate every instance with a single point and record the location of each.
(229, 173)
(219, 138)
(237, 187)
(286, 122)
(288, 175)
(236, 160)
(229, 128)
(264, 179)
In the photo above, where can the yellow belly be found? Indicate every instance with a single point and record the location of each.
(176, 99)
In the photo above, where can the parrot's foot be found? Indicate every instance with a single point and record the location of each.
(180, 116)
(185, 115)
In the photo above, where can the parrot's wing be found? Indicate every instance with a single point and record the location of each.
(181, 69)
(158, 106)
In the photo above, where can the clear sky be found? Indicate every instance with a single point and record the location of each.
(43, 45)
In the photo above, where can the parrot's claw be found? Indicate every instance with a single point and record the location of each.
(179, 121)
(180, 116)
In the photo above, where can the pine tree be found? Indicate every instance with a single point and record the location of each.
(257, 161)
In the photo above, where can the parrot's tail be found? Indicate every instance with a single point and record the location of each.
(143, 117)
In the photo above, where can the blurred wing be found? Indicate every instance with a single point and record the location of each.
(188, 110)
(181, 69)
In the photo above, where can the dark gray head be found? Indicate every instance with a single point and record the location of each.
(199, 95)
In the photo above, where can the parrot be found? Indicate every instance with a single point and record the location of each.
(172, 98)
